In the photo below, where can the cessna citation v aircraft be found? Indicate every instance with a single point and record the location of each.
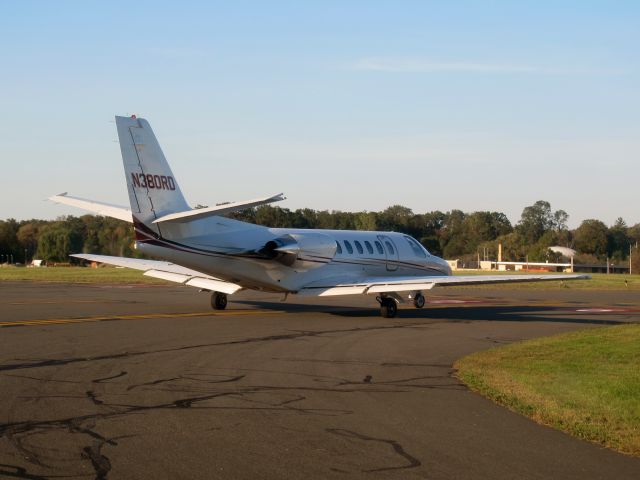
(202, 248)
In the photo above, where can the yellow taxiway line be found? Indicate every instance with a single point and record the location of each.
(57, 302)
(58, 321)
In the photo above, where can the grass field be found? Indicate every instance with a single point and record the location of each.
(76, 275)
(598, 281)
(125, 275)
(586, 383)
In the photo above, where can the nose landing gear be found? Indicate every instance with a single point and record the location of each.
(218, 300)
(418, 300)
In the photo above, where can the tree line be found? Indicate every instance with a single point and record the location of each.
(453, 234)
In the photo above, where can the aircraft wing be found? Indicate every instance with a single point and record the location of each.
(105, 209)
(373, 285)
(166, 271)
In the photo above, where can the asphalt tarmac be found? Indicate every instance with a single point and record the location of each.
(124, 382)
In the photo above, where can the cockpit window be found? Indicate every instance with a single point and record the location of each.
(418, 250)
(339, 248)
(358, 247)
(379, 247)
(349, 247)
(369, 247)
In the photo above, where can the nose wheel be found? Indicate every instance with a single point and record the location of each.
(219, 301)
(418, 300)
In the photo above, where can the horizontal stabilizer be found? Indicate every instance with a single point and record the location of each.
(166, 271)
(98, 208)
(198, 213)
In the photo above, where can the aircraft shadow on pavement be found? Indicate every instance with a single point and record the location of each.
(504, 313)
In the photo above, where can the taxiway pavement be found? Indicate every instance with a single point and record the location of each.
(112, 382)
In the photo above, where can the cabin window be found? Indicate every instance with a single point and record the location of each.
(416, 247)
(349, 247)
(389, 247)
(359, 247)
(339, 248)
(379, 247)
(369, 247)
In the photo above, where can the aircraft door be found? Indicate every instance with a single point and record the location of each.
(390, 251)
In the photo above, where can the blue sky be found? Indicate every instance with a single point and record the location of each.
(342, 105)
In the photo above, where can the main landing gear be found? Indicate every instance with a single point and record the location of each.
(218, 300)
(388, 307)
(389, 303)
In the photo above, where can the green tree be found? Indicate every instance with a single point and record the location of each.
(634, 233)
(93, 227)
(452, 240)
(534, 221)
(539, 251)
(8, 239)
(591, 237)
(57, 240)
(618, 240)
(27, 237)
(428, 228)
(482, 227)
(325, 220)
(635, 260)
(114, 237)
(305, 218)
(366, 221)
(395, 219)
(560, 219)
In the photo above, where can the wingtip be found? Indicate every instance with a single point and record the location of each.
(53, 198)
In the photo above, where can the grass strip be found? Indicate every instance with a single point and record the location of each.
(109, 275)
(598, 281)
(585, 383)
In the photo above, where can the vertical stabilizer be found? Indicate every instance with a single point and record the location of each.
(153, 189)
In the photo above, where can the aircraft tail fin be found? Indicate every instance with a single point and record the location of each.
(153, 189)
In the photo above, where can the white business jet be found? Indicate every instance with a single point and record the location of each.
(204, 249)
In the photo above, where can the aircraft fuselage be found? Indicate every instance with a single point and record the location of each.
(357, 255)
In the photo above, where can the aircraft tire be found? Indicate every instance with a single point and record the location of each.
(388, 308)
(219, 301)
(418, 301)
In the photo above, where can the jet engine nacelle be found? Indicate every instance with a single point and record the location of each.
(302, 251)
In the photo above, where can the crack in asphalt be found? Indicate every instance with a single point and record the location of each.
(268, 338)
(13, 471)
(100, 380)
(412, 462)
(92, 396)
(85, 424)
(101, 464)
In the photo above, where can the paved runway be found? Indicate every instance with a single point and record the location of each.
(147, 382)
